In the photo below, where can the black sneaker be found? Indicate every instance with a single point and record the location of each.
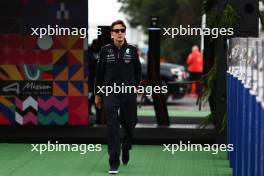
(113, 170)
(125, 156)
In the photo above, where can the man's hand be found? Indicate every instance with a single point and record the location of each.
(98, 101)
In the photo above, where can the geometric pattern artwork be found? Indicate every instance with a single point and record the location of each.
(38, 72)
(68, 72)
(77, 88)
(11, 72)
(75, 57)
(26, 110)
(67, 42)
(68, 50)
(45, 72)
(53, 67)
(26, 72)
(32, 72)
(63, 64)
(76, 72)
(70, 57)
(78, 111)
(59, 57)
(70, 88)
(7, 110)
(52, 110)
(13, 52)
(60, 88)
(60, 72)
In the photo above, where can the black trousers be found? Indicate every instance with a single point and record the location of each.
(126, 104)
(196, 76)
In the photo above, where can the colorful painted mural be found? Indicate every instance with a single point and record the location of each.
(43, 81)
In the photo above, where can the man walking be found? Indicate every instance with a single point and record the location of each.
(118, 65)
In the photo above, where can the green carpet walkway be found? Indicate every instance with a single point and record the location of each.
(149, 112)
(175, 113)
(146, 160)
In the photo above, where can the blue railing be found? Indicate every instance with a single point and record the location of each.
(245, 102)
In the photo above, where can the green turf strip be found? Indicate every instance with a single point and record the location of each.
(175, 113)
(172, 113)
(146, 160)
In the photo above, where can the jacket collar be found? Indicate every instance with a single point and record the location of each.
(124, 45)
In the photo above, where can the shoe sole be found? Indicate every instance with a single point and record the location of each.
(113, 172)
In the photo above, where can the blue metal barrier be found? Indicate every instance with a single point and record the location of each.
(245, 106)
(245, 129)
(262, 141)
(253, 129)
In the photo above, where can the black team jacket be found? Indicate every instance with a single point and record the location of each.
(119, 66)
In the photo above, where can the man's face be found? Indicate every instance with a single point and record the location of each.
(118, 33)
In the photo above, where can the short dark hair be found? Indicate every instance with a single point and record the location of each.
(117, 22)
